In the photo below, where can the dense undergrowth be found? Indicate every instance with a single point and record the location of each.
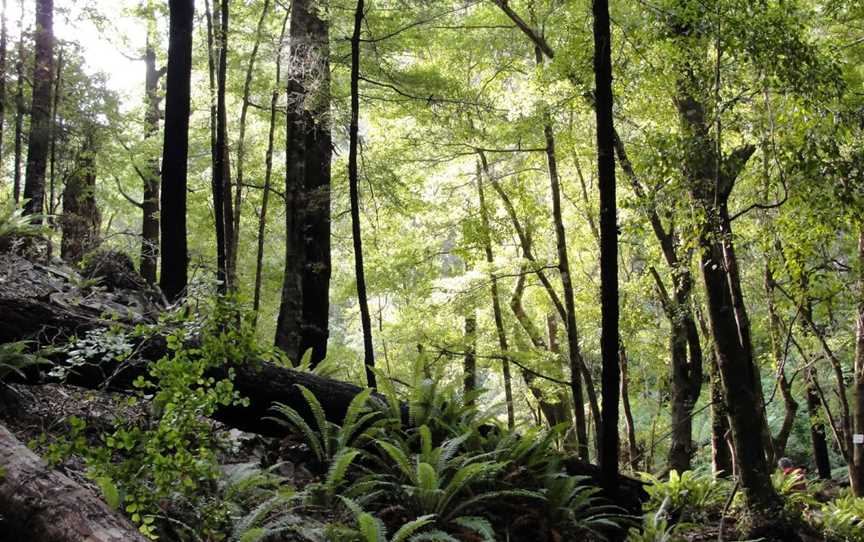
(445, 471)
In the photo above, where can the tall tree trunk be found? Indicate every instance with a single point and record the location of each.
(496, 301)
(818, 442)
(609, 339)
(303, 313)
(19, 109)
(241, 139)
(81, 218)
(633, 455)
(856, 473)
(175, 150)
(220, 188)
(790, 405)
(268, 172)
(469, 367)
(55, 105)
(3, 43)
(40, 112)
(354, 196)
(150, 201)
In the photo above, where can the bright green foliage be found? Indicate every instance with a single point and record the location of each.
(371, 529)
(16, 226)
(15, 358)
(686, 496)
(844, 518)
(574, 509)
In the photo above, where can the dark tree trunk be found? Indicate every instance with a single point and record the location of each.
(42, 504)
(3, 46)
(721, 455)
(175, 150)
(19, 112)
(303, 313)
(354, 196)
(40, 112)
(856, 472)
(221, 184)
(633, 455)
(790, 405)
(496, 300)
(818, 442)
(469, 367)
(81, 218)
(609, 339)
(268, 172)
(150, 201)
(55, 106)
(241, 139)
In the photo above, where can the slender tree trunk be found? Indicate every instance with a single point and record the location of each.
(609, 339)
(40, 112)
(268, 172)
(791, 406)
(241, 139)
(175, 150)
(55, 105)
(220, 188)
(818, 442)
(19, 110)
(81, 218)
(303, 314)
(632, 444)
(469, 371)
(354, 196)
(150, 200)
(567, 285)
(496, 301)
(856, 473)
(3, 46)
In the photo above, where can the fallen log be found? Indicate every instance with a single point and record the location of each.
(38, 503)
(40, 303)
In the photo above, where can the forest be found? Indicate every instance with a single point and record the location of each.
(431, 270)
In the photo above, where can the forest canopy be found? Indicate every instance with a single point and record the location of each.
(432, 270)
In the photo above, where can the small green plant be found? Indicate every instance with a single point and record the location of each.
(15, 225)
(371, 529)
(688, 496)
(843, 518)
(799, 495)
(656, 527)
(574, 508)
(15, 358)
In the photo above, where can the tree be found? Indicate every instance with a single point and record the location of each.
(609, 340)
(304, 309)
(175, 150)
(19, 109)
(81, 217)
(40, 112)
(3, 47)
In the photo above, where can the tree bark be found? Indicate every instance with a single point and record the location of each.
(789, 403)
(303, 313)
(818, 442)
(55, 105)
(241, 138)
(81, 218)
(175, 150)
(42, 504)
(856, 472)
(496, 300)
(150, 200)
(609, 337)
(268, 173)
(633, 455)
(40, 111)
(469, 367)
(19, 110)
(354, 196)
(3, 47)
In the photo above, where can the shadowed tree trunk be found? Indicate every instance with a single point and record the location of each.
(609, 339)
(268, 172)
(777, 351)
(303, 312)
(469, 367)
(19, 110)
(354, 196)
(150, 201)
(632, 445)
(55, 106)
(856, 472)
(818, 442)
(81, 218)
(496, 301)
(175, 150)
(40, 111)
(3, 46)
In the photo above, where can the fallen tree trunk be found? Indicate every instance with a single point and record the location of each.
(38, 503)
(44, 304)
